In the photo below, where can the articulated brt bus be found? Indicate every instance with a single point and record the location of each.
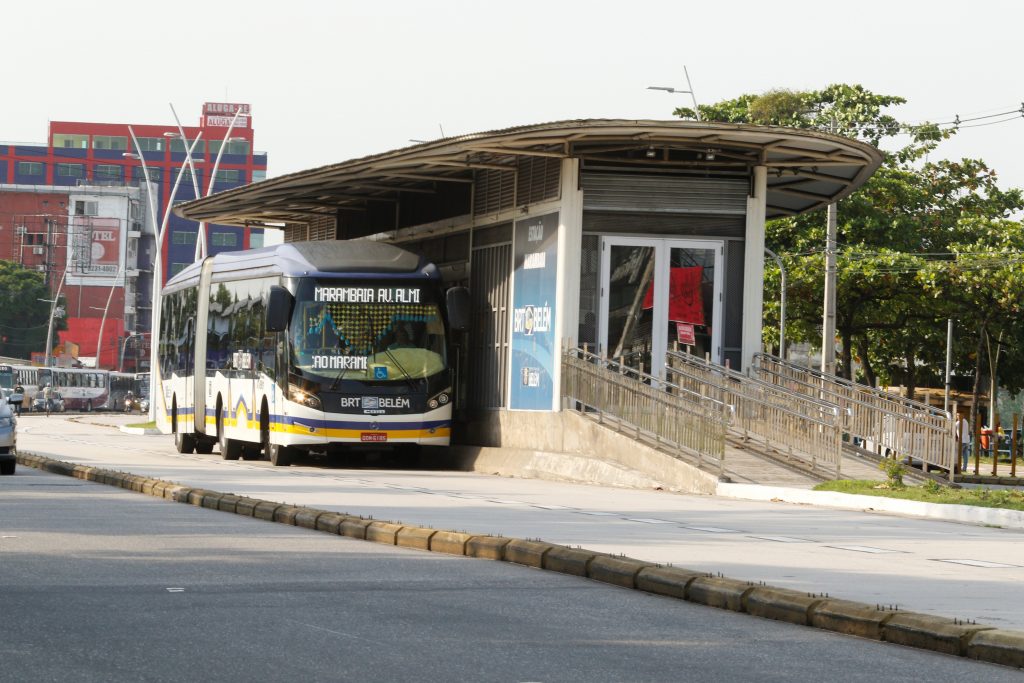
(307, 346)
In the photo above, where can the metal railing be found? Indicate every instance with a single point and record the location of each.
(884, 422)
(653, 410)
(805, 428)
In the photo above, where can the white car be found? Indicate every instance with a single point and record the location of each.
(8, 439)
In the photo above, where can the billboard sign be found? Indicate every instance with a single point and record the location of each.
(225, 108)
(219, 114)
(94, 250)
(533, 313)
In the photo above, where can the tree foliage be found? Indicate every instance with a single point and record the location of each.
(914, 245)
(23, 317)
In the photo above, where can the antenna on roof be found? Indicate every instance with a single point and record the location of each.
(442, 131)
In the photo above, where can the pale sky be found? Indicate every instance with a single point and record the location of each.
(331, 81)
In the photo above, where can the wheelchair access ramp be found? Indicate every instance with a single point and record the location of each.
(876, 423)
(750, 432)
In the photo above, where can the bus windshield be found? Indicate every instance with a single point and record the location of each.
(377, 331)
(6, 377)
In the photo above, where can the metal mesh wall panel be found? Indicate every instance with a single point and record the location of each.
(489, 332)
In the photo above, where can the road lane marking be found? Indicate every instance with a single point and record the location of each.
(713, 529)
(649, 520)
(783, 539)
(981, 563)
(864, 549)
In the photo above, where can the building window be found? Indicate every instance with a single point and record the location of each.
(151, 144)
(186, 174)
(154, 174)
(86, 208)
(71, 141)
(178, 147)
(71, 170)
(30, 168)
(178, 267)
(233, 147)
(255, 240)
(117, 143)
(224, 239)
(229, 175)
(183, 237)
(107, 172)
(258, 175)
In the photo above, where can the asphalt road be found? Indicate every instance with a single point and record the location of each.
(952, 570)
(100, 584)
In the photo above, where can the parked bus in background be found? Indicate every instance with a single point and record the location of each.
(307, 346)
(81, 388)
(7, 380)
(28, 377)
(121, 383)
(142, 384)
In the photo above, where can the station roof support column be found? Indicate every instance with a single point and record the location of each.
(570, 245)
(753, 266)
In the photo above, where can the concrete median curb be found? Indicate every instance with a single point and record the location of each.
(923, 631)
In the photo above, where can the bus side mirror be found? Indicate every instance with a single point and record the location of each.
(457, 299)
(279, 309)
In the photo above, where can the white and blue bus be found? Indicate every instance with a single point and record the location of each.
(307, 346)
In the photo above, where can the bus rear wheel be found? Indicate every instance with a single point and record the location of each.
(184, 443)
(230, 449)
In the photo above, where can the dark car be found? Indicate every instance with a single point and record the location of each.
(56, 403)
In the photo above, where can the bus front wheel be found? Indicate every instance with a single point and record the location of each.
(280, 456)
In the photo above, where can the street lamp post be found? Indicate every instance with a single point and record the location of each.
(200, 252)
(689, 91)
(53, 311)
(782, 302)
(124, 349)
(157, 272)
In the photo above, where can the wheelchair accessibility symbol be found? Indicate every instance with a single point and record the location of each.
(380, 373)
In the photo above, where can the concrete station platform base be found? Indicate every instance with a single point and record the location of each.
(574, 447)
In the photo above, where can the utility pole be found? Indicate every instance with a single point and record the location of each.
(949, 361)
(828, 326)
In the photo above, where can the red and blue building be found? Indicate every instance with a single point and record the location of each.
(78, 156)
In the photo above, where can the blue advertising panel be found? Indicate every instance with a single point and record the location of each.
(533, 313)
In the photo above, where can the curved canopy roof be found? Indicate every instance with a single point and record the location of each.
(806, 169)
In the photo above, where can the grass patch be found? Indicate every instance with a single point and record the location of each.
(930, 492)
(143, 425)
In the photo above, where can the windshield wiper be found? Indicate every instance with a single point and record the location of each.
(373, 338)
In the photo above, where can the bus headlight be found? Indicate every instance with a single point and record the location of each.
(439, 399)
(297, 395)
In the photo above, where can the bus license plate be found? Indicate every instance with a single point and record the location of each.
(373, 436)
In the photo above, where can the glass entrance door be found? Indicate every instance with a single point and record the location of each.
(657, 294)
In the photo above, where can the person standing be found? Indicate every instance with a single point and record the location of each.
(47, 398)
(19, 394)
(963, 430)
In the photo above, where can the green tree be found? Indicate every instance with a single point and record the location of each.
(910, 212)
(984, 284)
(23, 317)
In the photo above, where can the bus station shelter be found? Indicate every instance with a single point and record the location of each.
(627, 236)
